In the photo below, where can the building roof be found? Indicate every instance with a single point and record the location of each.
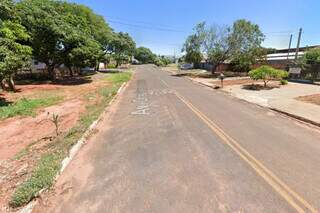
(302, 49)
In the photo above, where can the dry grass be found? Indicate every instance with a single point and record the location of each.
(313, 99)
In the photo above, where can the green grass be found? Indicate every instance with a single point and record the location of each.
(27, 107)
(50, 163)
(119, 78)
(42, 177)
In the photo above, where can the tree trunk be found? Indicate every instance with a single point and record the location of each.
(213, 70)
(51, 72)
(70, 71)
(11, 84)
(3, 85)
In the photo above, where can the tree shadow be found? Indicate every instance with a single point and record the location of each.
(73, 81)
(109, 71)
(195, 75)
(180, 74)
(258, 87)
(4, 102)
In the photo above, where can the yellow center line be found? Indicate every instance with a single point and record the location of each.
(279, 186)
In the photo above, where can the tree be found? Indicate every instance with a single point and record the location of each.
(14, 54)
(216, 42)
(245, 44)
(240, 44)
(267, 73)
(144, 55)
(65, 33)
(123, 47)
(95, 36)
(193, 45)
(47, 29)
(83, 44)
(311, 62)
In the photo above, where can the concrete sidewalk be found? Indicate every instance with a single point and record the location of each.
(281, 99)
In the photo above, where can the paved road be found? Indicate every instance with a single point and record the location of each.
(175, 146)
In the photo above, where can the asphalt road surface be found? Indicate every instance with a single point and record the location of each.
(175, 146)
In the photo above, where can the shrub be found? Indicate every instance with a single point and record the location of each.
(283, 82)
(267, 73)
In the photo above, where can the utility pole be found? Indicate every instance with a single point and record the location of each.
(289, 47)
(298, 43)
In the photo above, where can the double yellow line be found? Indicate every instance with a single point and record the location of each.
(295, 200)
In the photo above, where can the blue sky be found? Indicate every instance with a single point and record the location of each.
(163, 25)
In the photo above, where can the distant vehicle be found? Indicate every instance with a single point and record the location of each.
(186, 66)
(135, 61)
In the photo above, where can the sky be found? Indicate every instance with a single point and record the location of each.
(164, 25)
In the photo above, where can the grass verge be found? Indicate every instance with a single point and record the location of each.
(27, 107)
(118, 78)
(50, 163)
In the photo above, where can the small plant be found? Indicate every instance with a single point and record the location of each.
(267, 73)
(55, 120)
(283, 82)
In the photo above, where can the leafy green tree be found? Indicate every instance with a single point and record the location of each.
(83, 44)
(245, 44)
(267, 73)
(92, 36)
(193, 45)
(311, 62)
(122, 47)
(240, 44)
(47, 29)
(162, 61)
(144, 55)
(65, 33)
(14, 54)
(166, 60)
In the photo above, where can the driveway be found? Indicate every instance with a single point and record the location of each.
(170, 145)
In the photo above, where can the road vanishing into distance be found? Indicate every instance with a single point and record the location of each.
(171, 145)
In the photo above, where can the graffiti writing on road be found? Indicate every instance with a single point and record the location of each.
(141, 99)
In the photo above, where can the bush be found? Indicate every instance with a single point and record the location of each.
(283, 82)
(267, 73)
(111, 66)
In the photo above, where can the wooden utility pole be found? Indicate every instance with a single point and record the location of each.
(298, 43)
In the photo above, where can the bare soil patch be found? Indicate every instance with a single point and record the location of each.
(25, 139)
(238, 81)
(313, 99)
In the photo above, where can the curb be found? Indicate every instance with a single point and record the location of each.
(296, 117)
(75, 149)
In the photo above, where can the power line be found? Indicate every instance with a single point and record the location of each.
(139, 22)
(147, 27)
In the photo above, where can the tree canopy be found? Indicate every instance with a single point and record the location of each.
(193, 45)
(123, 47)
(311, 62)
(267, 73)
(144, 55)
(14, 53)
(239, 43)
(65, 33)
